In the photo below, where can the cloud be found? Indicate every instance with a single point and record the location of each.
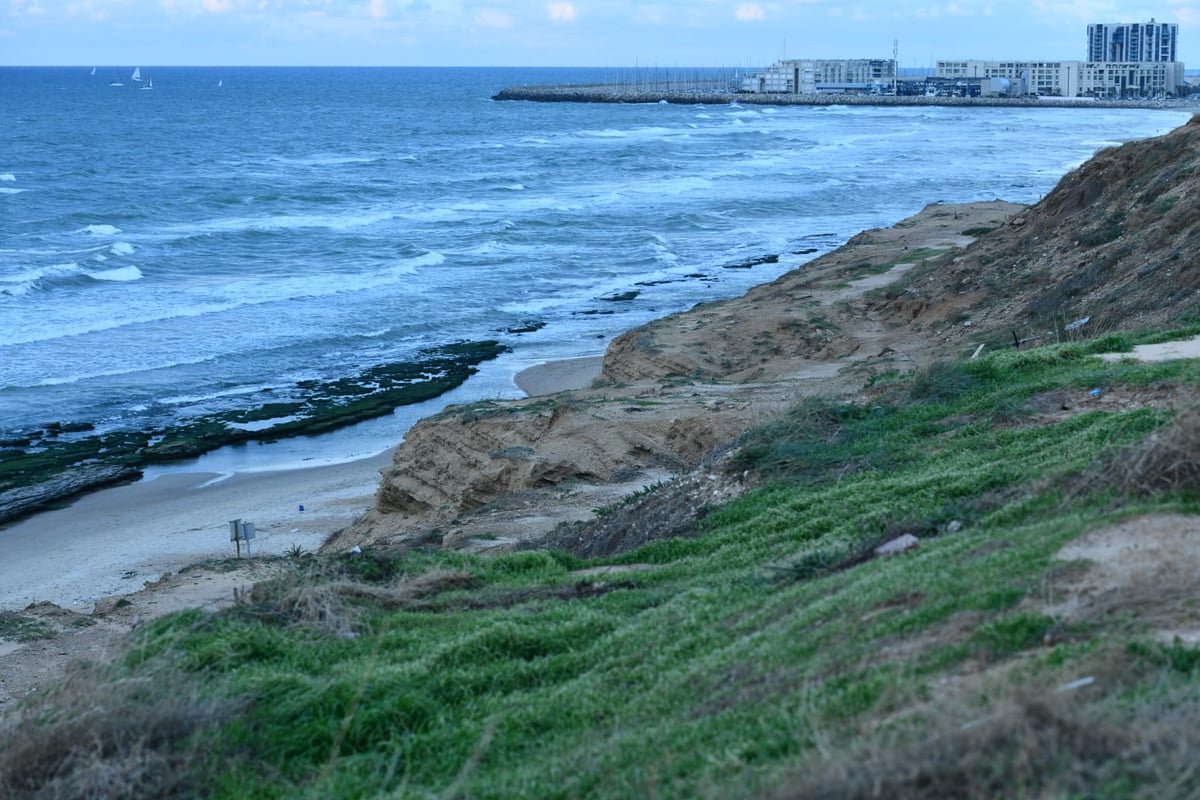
(19, 7)
(493, 18)
(750, 12)
(378, 9)
(561, 12)
(218, 6)
(1186, 13)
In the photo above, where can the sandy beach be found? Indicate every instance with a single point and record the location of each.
(559, 376)
(115, 541)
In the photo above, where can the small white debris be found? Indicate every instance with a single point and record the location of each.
(901, 544)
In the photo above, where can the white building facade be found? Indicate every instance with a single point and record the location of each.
(817, 75)
(1102, 79)
(1132, 42)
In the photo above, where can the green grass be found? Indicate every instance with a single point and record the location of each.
(748, 654)
(18, 627)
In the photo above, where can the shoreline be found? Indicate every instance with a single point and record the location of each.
(561, 375)
(116, 541)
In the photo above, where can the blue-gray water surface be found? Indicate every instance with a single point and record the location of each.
(171, 252)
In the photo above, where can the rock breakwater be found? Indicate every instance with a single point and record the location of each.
(604, 93)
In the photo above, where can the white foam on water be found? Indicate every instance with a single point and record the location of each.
(673, 186)
(325, 160)
(188, 399)
(121, 274)
(409, 266)
(21, 282)
(102, 230)
(121, 249)
(649, 133)
(63, 380)
(7, 176)
(431, 214)
(6, 190)
(237, 295)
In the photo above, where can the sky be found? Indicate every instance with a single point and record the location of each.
(596, 33)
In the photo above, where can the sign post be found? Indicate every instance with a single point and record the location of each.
(239, 532)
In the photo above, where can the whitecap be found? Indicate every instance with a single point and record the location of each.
(6, 190)
(409, 266)
(102, 230)
(119, 274)
(121, 249)
(188, 399)
(436, 214)
(675, 186)
(120, 371)
(7, 176)
(21, 282)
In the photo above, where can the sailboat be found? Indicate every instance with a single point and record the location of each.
(220, 83)
(149, 84)
(93, 70)
(137, 74)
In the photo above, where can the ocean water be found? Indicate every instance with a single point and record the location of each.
(171, 253)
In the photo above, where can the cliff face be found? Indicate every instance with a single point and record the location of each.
(1117, 241)
(577, 451)
(670, 394)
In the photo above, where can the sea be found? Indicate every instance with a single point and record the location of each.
(174, 251)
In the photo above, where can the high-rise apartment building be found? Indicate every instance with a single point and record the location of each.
(1132, 42)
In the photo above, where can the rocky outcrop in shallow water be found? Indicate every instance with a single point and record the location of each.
(23, 500)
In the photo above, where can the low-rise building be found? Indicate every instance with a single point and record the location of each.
(1077, 78)
(821, 75)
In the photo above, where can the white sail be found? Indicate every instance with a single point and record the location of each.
(137, 73)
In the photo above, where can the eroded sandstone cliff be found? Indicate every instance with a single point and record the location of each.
(1117, 243)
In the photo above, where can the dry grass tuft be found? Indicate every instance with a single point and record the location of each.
(1166, 461)
(1028, 746)
(94, 738)
(336, 605)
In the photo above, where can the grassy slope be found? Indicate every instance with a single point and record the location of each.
(757, 657)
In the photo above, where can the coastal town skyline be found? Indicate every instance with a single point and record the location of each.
(558, 32)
